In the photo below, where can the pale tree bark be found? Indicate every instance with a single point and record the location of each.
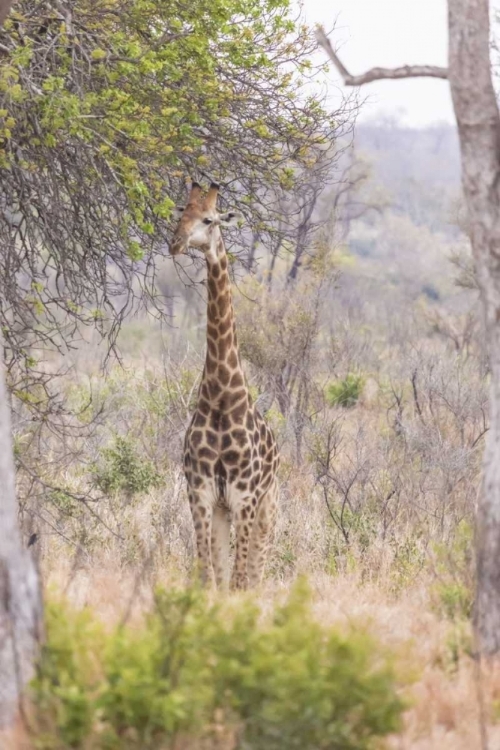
(5, 6)
(20, 598)
(20, 601)
(478, 122)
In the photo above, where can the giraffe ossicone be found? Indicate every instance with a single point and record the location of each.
(230, 454)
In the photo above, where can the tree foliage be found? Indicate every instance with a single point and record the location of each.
(105, 107)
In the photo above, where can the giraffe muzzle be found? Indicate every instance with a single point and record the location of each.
(178, 246)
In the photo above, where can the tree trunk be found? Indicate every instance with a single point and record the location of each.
(4, 9)
(20, 601)
(20, 598)
(478, 123)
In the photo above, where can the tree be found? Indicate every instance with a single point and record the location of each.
(478, 122)
(104, 110)
(20, 599)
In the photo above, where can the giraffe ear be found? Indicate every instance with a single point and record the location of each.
(231, 218)
(177, 212)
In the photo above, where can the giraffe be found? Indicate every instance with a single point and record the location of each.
(230, 454)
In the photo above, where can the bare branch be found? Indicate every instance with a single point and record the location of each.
(377, 74)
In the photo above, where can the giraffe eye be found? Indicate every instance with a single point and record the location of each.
(207, 221)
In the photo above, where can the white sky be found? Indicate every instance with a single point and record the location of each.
(389, 33)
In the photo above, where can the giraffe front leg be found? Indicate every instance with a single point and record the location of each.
(201, 511)
(261, 537)
(243, 518)
(221, 525)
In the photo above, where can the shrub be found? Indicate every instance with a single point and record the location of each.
(121, 468)
(454, 589)
(345, 392)
(285, 683)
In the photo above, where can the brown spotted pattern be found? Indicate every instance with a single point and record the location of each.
(230, 454)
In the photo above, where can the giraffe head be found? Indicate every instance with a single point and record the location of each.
(199, 220)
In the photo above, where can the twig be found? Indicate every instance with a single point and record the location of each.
(377, 74)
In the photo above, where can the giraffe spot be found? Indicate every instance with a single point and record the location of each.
(225, 325)
(214, 388)
(220, 472)
(212, 348)
(232, 360)
(244, 512)
(254, 501)
(205, 469)
(211, 437)
(212, 310)
(207, 453)
(200, 420)
(196, 437)
(238, 396)
(225, 343)
(256, 465)
(187, 459)
(212, 330)
(247, 473)
(223, 263)
(211, 365)
(269, 439)
(198, 525)
(194, 465)
(250, 421)
(237, 380)
(226, 441)
(203, 407)
(244, 464)
(242, 486)
(233, 476)
(253, 484)
(238, 413)
(215, 419)
(230, 457)
(212, 287)
(263, 430)
(215, 272)
(202, 511)
(247, 454)
(256, 436)
(240, 436)
(223, 375)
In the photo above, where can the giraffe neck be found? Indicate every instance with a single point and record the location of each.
(223, 378)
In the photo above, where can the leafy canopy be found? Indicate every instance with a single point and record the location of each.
(105, 107)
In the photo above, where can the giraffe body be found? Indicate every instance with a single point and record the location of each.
(230, 454)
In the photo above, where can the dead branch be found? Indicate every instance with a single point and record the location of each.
(377, 74)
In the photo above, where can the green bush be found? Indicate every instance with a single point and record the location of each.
(454, 589)
(285, 683)
(345, 392)
(122, 468)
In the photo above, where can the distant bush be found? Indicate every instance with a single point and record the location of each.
(122, 468)
(345, 392)
(454, 590)
(194, 669)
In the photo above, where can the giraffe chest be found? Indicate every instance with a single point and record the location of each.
(242, 455)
